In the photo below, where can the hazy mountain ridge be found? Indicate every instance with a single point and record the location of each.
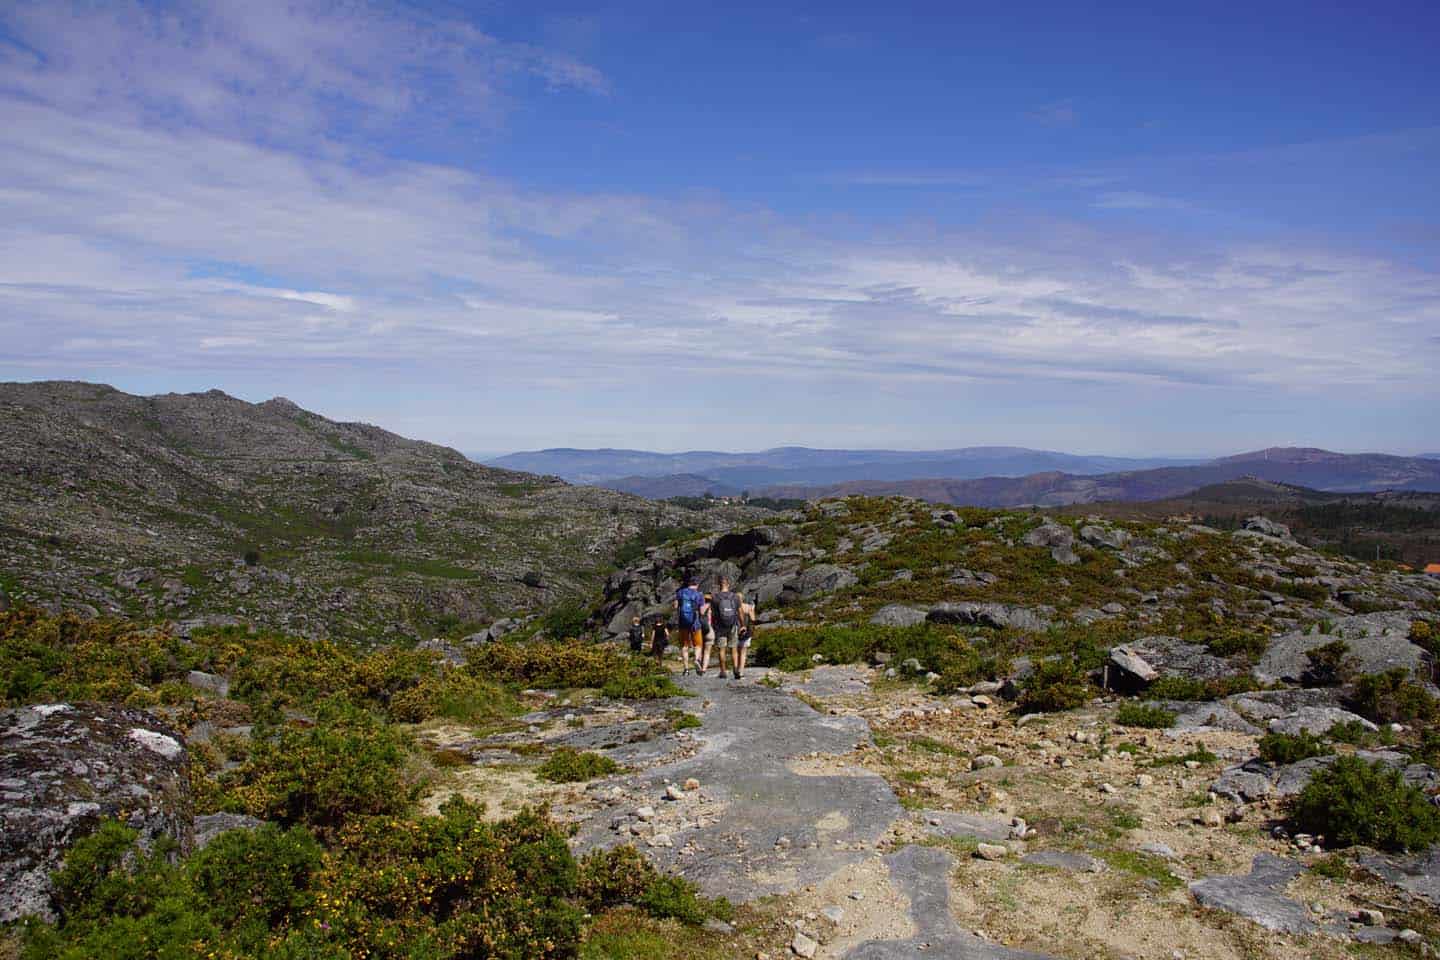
(194, 505)
(1317, 470)
(803, 465)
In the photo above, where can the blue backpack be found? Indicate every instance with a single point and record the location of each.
(690, 601)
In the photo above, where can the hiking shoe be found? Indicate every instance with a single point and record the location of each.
(737, 674)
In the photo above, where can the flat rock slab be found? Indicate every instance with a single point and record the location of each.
(1191, 717)
(1259, 895)
(1061, 860)
(1418, 875)
(971, 826)
(753, 739)
(923, 875)
(829, 681)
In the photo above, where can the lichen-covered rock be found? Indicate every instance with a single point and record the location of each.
(997, 615)
(821, 578)
(897, 615)
(1378, 642)
(66, 767)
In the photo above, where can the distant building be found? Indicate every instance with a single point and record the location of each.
(1433, 569)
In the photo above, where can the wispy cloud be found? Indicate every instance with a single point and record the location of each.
(435, 266)
(276, 69)
(1061, 113)
(1137, 200)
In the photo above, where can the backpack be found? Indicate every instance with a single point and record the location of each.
(689, 607)
(727, 609)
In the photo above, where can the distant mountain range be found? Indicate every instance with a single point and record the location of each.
(1307, 467)
(637, 471)
(980, 476)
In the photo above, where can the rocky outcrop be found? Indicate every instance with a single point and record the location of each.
(1268, 527)
(1377, 641)
(898, 615)
(64, 768)
(1059, 538)
(1171, 655)
(997, 615)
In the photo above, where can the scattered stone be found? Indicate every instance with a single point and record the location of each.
(833, 914)
(992, 851)
(803, 945)
(987, 760)
(692, 784)
(1210, 817)
(1144, 781)
(673, 792)
(646, 813)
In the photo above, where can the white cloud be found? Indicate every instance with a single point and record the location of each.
(105, 226)
(278, 69)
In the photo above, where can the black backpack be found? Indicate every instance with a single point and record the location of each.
(727, 609)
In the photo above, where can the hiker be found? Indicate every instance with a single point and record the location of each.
(659, 640)
(725, 614)
(690, 613)
(744, 635)
(636, 635)
(707, 628)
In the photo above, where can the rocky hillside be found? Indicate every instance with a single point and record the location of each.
(205, 506)
(894, 561)
(962, 733)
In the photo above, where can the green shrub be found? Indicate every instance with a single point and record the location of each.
(1329, 665)
(1235, 641)
(1393, 697)
(453, 886)
(453, 695)
(566, 621)
(1334, 867)
(255, 882)
(1199, 755)
(642, 684)
(1144, 715)
(1423, 634)
(567, 765)
(1054, 685)
(105, 875)
(678, 898)
(940, 648)
(609, 878)
(1283, 748)
(1175, 687)
(1352, 802)
(572, 663)
(350, 764)
(682, 720)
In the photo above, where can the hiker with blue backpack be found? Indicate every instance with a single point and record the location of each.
(690, 613)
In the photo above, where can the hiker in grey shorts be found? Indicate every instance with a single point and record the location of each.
(725, 613)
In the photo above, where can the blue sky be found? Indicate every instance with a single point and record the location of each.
(1141, 230)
